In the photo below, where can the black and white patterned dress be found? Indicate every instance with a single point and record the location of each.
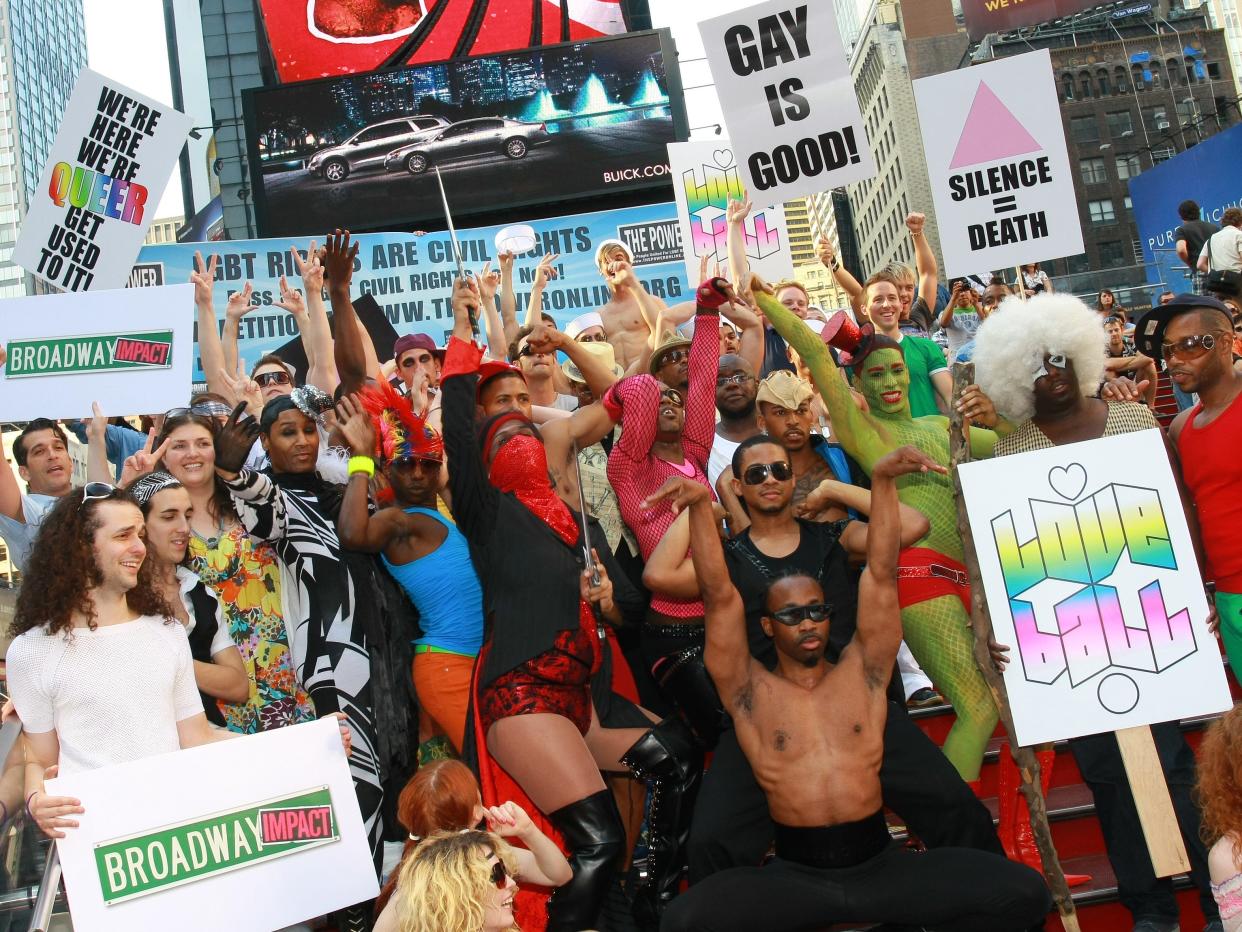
(327, 630)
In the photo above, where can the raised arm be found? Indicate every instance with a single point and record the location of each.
(261, 504)
(726, 652)
(210, 350)
(508, 300)
(669, 570)
(545, 271)
(847, 282)
(914, 524)
(848, 422)
(489, 282)
(544, 339)
(316, 332)
(634, 402)
(699, 431)
(739, 263)
(356, 527)
(879, 613)
(924, 260)
(347, 350)
(238, 307)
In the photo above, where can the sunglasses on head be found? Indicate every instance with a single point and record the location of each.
(1191, 347)
(819, 611)
(500, 874)
(95, 490)
(757, 473)
(673, 356)
(202, 409)
(279, 377)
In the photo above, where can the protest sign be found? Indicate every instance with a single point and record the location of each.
(112, 157)
(185, 839)
(705, 178)
(411, 277)
(1000, 174)
(128, 350)
(788, 100)
(1093, 583)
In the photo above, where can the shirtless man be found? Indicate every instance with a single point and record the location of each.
(813, 733)
(631, 314)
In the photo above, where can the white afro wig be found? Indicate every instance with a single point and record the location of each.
(1011, 344)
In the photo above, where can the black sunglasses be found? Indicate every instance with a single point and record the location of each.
(95, 490)
(756, 473)
(673, 396)
(820, 611)
(202, 409)
(272, 378)
(673, 356)
(500, 874)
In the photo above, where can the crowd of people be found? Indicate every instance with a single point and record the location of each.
(640, 625)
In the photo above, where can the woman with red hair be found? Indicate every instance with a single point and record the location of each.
(444, 796)
(1220, 795)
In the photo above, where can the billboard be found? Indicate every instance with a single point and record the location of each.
(537, 126)
(322, 38)
(1205, 174)
(410, 277)
(984, 16)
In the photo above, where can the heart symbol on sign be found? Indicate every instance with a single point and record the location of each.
(1068, 481)
(723, 158)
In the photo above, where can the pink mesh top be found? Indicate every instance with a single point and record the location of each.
(635, 472)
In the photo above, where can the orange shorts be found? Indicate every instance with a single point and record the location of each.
(442, 682)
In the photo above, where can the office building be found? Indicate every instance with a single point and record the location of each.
(42, 49)
(163, 230)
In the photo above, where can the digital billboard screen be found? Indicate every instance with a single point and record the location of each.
(984, 16)
(557, 123)
(323, 38)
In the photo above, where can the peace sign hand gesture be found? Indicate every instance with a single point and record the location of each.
(145, 460)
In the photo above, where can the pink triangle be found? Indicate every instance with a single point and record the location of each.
(991, 132)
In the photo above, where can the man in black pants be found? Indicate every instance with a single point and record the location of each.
(814, 735)
(731, 826)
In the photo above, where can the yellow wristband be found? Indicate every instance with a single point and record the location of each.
(361, 464)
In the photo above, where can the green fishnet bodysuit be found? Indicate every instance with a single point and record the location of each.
(937, 630)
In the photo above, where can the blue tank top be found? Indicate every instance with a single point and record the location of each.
(445, 589)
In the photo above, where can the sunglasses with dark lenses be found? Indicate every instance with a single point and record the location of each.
(819, 611)
(757, 473)
(272, 378)
(673, 396)
(202, 409)
(1237, 326)
(95, 490)
(673, 356)
(427, 464)
(1191, 347)
(740, 378)
(500, 874)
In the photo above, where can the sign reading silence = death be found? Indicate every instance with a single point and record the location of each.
(996, 159)
(788, 99)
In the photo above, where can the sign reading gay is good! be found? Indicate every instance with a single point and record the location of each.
(183, 840)
(1094, 584)
(788, 99)
(130, 350)
(113, 154)
(1000, 174)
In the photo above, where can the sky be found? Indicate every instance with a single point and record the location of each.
(133, 49)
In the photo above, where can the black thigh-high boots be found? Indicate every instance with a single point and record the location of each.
(595, 837)
(670, 760)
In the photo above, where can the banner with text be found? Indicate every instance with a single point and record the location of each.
(185, 835)
(999, 171)
(705, 179)
(411, 276)
(130, 351)
(1094, 584)
(112, 157)
(784, 86)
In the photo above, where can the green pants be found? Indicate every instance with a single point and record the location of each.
(1229, 607)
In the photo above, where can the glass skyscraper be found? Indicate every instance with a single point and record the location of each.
(42, 49)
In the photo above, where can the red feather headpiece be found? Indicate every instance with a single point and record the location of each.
(401, 434)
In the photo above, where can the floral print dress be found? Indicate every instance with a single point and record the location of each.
(245, 575)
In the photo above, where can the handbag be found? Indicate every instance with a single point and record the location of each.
(1221, 281)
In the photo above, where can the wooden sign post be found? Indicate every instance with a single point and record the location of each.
(1152, 800)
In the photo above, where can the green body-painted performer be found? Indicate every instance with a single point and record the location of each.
(932, 582)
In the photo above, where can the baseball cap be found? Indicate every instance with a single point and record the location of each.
(491, 368)
(1149, 332)
(412, 341)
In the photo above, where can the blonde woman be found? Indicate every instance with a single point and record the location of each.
(458, 882)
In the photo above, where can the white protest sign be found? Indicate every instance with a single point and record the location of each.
(705, 178)
(1000, 175)
(130, 350)
(249, 835)
(111, 160)
(1092, 580)
(788, 100)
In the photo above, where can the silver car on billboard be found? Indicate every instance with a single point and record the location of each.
(469, 139)
(367, 147)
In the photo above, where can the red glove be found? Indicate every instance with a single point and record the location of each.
(711, 294)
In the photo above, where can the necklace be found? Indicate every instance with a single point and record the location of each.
(210, 542)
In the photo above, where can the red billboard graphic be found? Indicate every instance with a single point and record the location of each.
(324, 38)
(984, 16)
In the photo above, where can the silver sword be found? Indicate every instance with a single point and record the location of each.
(461, 269)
